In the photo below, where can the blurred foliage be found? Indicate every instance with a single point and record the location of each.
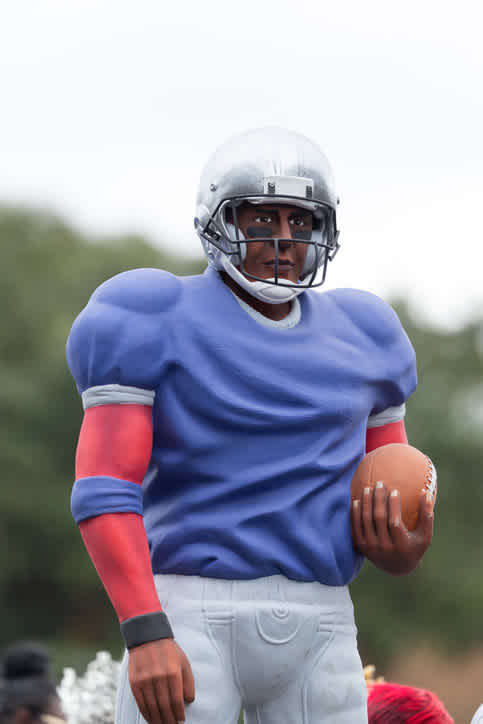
(49, 589)
(48, 586)
(439, 602)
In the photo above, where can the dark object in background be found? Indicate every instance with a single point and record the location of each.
(26, 684)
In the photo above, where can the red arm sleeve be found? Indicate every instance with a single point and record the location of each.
(116, 440)
(118, 548)
(385, 434)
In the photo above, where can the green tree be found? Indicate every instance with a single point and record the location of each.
(439, 602)
(48, 271)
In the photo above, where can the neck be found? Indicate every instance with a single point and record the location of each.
(276, 312)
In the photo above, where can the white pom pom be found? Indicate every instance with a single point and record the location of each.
(90, 699)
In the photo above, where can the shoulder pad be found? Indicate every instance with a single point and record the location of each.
(119, 338)
(148, 291)
(378, 329)
(372, 315)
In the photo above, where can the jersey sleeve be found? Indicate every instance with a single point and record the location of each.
(390, 354)
(117, 340)
(395, 362)
(114, 352)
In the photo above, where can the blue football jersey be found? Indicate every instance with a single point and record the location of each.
(257, 429)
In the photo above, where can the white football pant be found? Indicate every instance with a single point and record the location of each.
(284, 652)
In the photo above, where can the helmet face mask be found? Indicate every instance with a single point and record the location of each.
(276, 168)
(222, 230)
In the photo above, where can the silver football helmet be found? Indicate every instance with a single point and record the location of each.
(283, 167)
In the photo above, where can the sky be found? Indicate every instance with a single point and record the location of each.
(109, 110)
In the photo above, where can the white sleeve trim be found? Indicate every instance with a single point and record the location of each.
(116, 395)
(390, 414)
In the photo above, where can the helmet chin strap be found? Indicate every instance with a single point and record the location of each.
(270, 293)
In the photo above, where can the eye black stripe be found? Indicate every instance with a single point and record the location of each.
(264, 232)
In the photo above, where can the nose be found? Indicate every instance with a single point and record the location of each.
(285, 232)
(284, 244)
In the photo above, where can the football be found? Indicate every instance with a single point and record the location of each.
(400, 467)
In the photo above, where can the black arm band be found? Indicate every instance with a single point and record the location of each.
(148, 627)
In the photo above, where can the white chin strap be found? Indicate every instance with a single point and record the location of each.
(271, 293)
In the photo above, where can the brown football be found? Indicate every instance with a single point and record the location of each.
(400, 467)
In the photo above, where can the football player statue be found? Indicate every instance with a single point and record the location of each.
(225, 414)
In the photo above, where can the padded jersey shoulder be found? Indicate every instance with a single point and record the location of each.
(118, 337)
(369, 313)
(145, 291)
(376, 327)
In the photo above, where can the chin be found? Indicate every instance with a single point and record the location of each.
(286, 276)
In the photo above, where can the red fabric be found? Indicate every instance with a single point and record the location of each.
(115, 440)
(386, 434)
(396, 704)
(118, 547)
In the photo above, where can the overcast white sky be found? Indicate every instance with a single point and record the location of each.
(110, 108)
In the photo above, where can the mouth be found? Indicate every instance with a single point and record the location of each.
(282, 264)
